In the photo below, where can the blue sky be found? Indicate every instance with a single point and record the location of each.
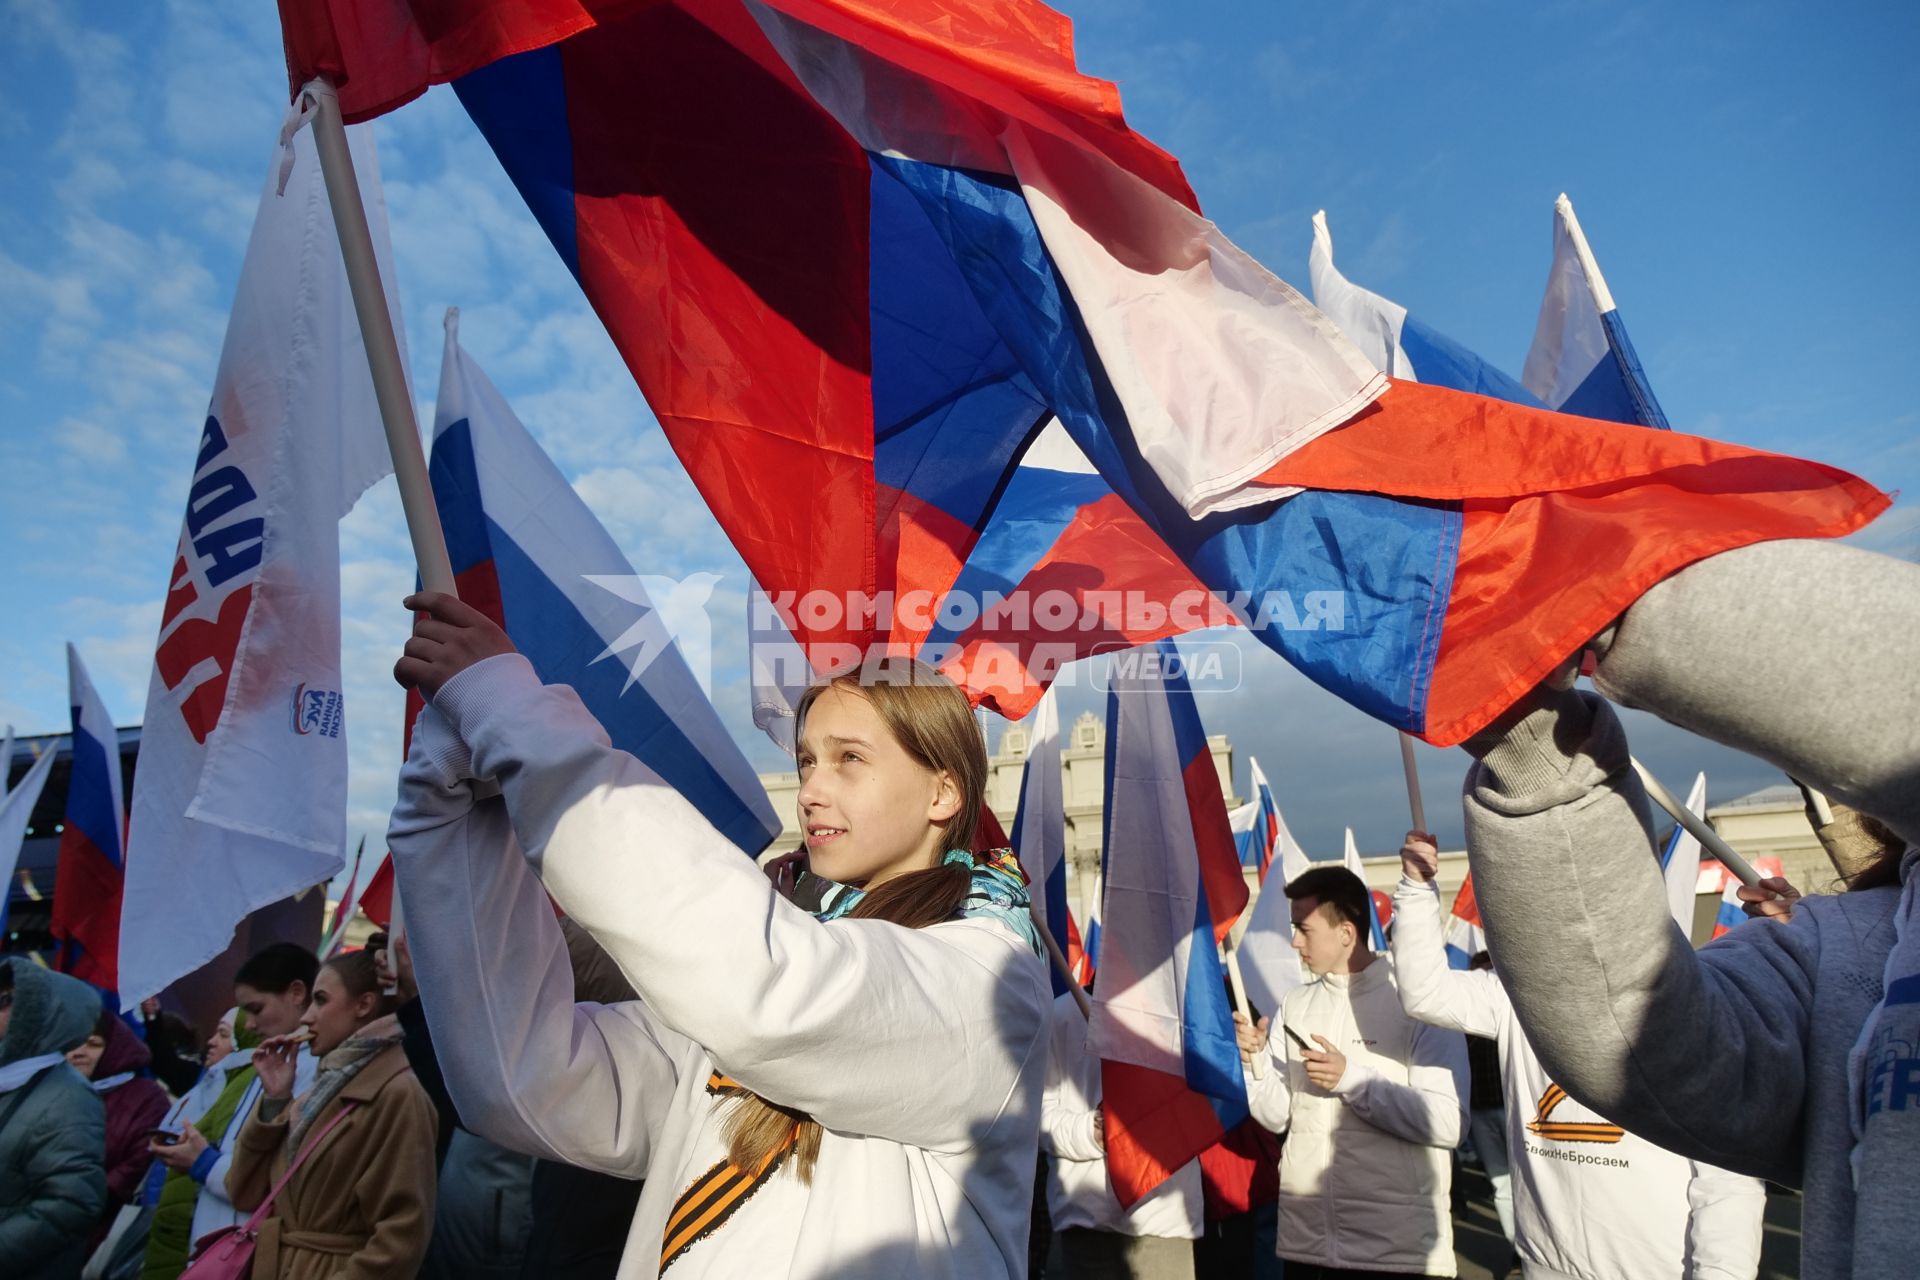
(1747, 178)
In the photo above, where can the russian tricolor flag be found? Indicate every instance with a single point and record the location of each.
(857, 252)
(1582, 361)
(1162, 1024)
(92, 866)
(527, 552)
(1466, 937)
(1261, 833)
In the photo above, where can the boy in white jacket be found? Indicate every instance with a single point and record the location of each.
(1591, 1201)
(907, 1062)
(1371, 1101)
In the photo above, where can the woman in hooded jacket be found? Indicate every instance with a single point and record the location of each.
(53, 1184)
(112, 1058)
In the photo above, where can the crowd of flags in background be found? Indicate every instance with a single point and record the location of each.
(1015, 395)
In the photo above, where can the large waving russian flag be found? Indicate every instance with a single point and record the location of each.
(93, 840)
(856, 252)
(527, 552)
(1162, 1024)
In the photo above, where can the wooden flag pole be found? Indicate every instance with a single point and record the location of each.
(1697, 827)
(376, 331)
(1060, 965)
(1240, 1002)
(1412, 770)
(384, 363)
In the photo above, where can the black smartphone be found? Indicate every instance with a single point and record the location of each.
(1295, 1037)
(166, 1137)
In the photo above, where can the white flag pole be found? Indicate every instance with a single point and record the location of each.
(383, 361)
(376, 330)
(1412, 770)
(1697, 827)
(1589, 266)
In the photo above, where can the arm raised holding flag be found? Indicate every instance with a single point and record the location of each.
(899, 1025)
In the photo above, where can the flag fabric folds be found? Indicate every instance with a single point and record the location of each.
(16, 812)
(1465, 937)
(240, 800)
(1350, 859)
(1268, 963)
(526, 550)
(1732, 912)
(1581, 360)
(350, 900)
(92, 868)
(1260, 832)
(948, 236)
(1680, 861)
(1162, 1023)
(1514, 506)
(1040, 829)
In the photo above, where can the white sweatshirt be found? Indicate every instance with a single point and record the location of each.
(1078, 1191)
(1366, 1170)
(921, 1052)
(1590, 1201)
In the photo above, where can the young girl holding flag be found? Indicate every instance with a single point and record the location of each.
(845, 1083)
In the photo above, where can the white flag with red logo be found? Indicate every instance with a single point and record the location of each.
(240, 797)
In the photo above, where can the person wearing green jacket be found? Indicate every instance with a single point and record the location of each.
(53, 1127)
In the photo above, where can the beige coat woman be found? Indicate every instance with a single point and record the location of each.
(361, 1207)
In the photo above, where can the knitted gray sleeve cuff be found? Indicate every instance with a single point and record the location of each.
(1568, 744)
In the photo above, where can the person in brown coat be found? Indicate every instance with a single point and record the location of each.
(361, 1207)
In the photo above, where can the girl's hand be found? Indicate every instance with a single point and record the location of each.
(274, 1061)
(179, 1156)
(1420, 856)
(448, 637)
(784, 870)
(1772, 899)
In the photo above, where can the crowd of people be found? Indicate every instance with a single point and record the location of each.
(853, 1064)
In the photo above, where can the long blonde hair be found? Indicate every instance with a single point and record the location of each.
(932, 721)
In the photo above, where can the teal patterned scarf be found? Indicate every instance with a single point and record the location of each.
(998, 891)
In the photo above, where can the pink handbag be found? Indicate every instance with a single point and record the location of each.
(227, 1254)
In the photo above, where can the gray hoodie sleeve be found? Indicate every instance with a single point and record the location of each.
(1703, 1054)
